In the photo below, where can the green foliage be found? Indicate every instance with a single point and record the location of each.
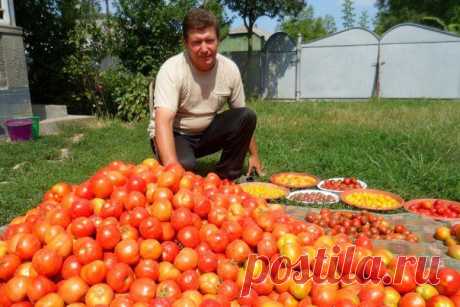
(149, 32)
(47, 25)
(215, 6)
(349, 14)
(132, 97)
(308, 26)
(364, 20)
(393, 12)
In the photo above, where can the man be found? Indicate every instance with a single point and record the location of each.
(190, 90)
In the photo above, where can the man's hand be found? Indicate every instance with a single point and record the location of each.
(255, 164)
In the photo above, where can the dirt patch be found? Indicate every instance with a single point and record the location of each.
(77, 137)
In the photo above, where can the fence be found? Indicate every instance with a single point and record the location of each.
(409, 61)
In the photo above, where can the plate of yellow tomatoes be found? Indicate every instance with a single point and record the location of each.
(371, 199)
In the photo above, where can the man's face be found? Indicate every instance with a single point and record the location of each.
(202, 48)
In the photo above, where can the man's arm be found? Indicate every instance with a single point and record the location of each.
(254, 162)
(164, 137)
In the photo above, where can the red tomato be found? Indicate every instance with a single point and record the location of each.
(99, 295)
(82, 227)
(168, 289)
(227, 269)
(229, 290)
(233, 229)
(87, 250)
(412, 299)
(186, 259)
(207, 261)
(27, 245)
(142, 290)
(72, 290)
(147, 268)
(84, 191)
(202, 205)
(101, 187)
(218, 241)
(449, 282)
(183, 199)
(136, 183)
(180, 218)
(127, 251)
(137, 216)
(188, 280)
(16, 288)
(135, 199)
(252, 234)
(120, 277)
(47, 262)
(189, 236)
(150, 228)
(93, 272)
(71, 267)
(238, 251)
(38, 287)
(80, 207)
(108, 236)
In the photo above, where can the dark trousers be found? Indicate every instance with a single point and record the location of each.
(230, 131)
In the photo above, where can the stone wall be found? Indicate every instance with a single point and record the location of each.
(14, 85)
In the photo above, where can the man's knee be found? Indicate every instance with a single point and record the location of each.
(248, 117)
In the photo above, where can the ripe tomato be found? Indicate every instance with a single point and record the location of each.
(16, 288)
(136, 216)
(120, 277)
(82, 227)
(142, 290)
(99, 295)
(229, 290)
(187, 259)
(180, 218)
(209, 283)
(169, 251)
(233, 229)
(101, 186)
(168, 231)
(136, 183)
(108, 236)
(449, 282)
(38, 287)
(227, 269)
(71, 267)
(238, 251)
(202, 205)
(51, 299)
(47, 262)
(189, 236)
(87, 250)
(189, 280)
(150, 228)
(147, 268)
(412, 299)
(80, 207)
(93, 272)
(127, 251)
(27, 245)
(252, 234)
(183, 199)
(135, 199)
(218, 241)
(72, 290)
(168, 271)
(161, 209)
(168, 289)
(207, 262)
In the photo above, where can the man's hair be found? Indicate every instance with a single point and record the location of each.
(199, 19)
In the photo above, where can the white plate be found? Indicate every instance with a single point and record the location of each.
(292, 194)
(362, 183)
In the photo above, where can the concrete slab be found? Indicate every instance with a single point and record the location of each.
(52, 126)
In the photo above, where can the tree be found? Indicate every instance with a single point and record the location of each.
(251, 10)
(349, 14)
(364, 20)
(47, 25)
(308, 26)
(149, 32)
(215, 6)
(393, 12)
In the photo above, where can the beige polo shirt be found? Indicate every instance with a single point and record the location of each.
(196, 96)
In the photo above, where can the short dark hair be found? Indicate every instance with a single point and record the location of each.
(199, 19)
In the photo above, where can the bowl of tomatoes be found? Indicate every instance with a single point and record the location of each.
(341, 184)
(439, 209)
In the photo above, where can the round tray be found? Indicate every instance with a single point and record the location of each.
(343, 198)
(283, 191)
(292, 194)
(362, 183)
(273, 179)
(414, 201)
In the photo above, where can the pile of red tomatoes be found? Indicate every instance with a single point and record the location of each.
(152, 235)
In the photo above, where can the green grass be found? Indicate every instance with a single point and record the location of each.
(409, 148)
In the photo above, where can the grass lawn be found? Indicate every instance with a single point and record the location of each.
(409, 148)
